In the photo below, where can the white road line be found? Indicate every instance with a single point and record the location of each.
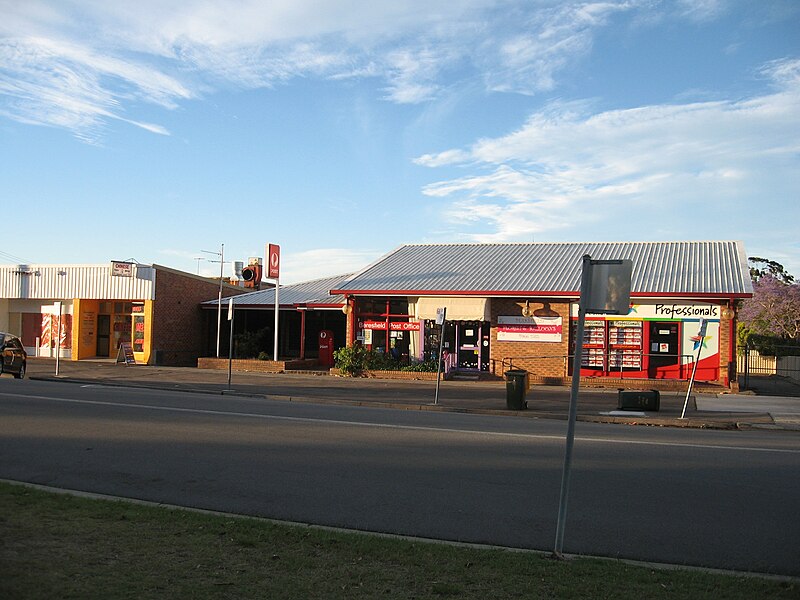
(531, 436)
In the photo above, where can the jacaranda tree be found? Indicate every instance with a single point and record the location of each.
(772, 315)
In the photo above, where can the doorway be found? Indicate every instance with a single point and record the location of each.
(103, 335)
(664, 355)
(473, 347)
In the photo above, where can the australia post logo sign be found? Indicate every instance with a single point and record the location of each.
(273, 261)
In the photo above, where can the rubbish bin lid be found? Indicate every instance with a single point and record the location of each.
(516, 372)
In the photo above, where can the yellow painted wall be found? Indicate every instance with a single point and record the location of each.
(84, 328)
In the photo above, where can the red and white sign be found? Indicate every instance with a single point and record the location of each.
(273, 261)
(529, 329)
(404, 326)
(393, 326)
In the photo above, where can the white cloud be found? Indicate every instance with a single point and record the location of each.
(565, 162)
(78, 63)
(529, 59)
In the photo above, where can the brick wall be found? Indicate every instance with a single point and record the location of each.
(179, 324)
(257, 366)
(725, 345)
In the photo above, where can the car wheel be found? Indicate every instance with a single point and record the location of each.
(21, 373)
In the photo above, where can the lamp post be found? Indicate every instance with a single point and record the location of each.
(221, 262)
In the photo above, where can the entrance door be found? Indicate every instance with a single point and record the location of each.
(469, 349)
(103, 334)
(664, 354)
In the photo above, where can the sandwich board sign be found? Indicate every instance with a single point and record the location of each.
(125, 354)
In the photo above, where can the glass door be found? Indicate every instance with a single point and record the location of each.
(103, 335)
(664, 355)
(469, 348)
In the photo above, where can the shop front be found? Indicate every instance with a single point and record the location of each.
(655, 340)
(517, 305)
(405, 328)
(100, 311)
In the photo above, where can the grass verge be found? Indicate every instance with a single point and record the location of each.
(62, 546)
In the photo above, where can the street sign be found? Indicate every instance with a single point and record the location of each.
(440, 315)
(609, 287)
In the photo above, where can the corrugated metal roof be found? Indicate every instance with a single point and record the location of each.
(313, 293)
(44, 282)
(670, 268)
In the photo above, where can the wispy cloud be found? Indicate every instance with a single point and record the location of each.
(78, 64)
(565, 160)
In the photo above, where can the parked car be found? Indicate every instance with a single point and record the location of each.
(14, 359)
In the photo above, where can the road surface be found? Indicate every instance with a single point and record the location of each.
(724, 499)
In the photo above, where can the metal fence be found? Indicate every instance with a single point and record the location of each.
(613, 364)
(775, 375)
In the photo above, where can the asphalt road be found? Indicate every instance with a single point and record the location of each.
(724, 499)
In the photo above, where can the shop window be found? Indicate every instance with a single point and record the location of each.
(398, 306)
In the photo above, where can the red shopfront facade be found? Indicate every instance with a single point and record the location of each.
(655, 340)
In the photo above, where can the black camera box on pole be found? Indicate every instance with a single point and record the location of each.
(639, 400)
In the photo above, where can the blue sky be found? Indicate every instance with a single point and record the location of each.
(158, 129)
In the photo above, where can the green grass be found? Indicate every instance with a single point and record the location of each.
(62, 546)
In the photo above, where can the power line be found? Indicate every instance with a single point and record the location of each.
(13, 258)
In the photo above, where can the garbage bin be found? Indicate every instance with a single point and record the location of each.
(516, 386)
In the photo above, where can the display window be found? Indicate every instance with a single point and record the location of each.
(465, 344)
(137, 318)
(384, 326)
(655, 340)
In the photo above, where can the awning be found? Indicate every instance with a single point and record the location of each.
(458, 309)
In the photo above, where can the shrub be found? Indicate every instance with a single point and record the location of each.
(426, 366)
(349, 359)
(249, 344)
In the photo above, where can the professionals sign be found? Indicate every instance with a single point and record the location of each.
(666, 311)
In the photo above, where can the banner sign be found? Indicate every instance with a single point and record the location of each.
(404, 326)
(393, 326)
(121, 269)
(529, 329)
(663, 311)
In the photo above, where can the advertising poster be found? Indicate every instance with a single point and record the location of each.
(529, 329)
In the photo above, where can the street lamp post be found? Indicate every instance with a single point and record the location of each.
(221, 262)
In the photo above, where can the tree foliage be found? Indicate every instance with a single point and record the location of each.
(774, 310)
(764, 266)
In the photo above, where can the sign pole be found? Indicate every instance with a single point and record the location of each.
(274, 272)
(230, 342)
(443, 315)
(219, 299)
(277, 312)
(58, 335)
(605, 288)
(573, 407)
(700, 335)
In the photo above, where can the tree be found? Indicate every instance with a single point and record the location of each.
(770, 267)
(774, 309)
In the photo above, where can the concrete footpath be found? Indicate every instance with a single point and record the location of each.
(722, 411)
